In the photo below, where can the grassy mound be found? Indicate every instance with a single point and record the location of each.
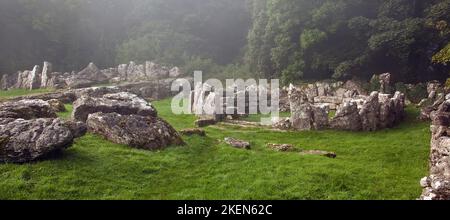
(379, 165)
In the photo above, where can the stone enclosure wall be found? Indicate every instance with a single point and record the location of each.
(91, 75)
(354, 112)
(437, 185)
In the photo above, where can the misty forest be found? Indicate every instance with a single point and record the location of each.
(85, 99)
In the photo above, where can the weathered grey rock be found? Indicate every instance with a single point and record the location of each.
(301, 110)
(370, 113)
(281, 147)
(150, 133)
(91, 73)
(329, 99)
(34, 78)
(56, 80)
(110, 73)
(23, 141)
(323, 89)
(437, 185)
(77, 128)
(341, 93)
(399, 107)
(95, 92)
(387, 113)
(67, 97)
(356, 86)
(434, 87)
(135, 72)
(283, 124)
(8, 81)
(320, 117)
(56, 105)
(26, 109)
(175, 72)
(123, 103)
(155, 71)
(205, 121)
(319, 153)
(347, 118)
(45, 75)
(123, 70)
(193, 131)
(237, 143)
(385, 83)
(76, 83)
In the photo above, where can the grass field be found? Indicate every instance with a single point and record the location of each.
(381, 165)
(20, 92)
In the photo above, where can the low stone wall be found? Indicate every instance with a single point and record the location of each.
(437, 185)
(361, 113)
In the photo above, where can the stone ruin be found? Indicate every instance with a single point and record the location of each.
(437, 185)
(147, 80)
(30, 129)
(206, 102)
(436, 96)
(310, 107)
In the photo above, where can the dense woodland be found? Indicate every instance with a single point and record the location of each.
(288, 39)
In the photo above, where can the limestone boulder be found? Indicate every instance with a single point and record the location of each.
(387, 113)
(149, 133)
(8, 81)
(301, 110)
(56, 105)
(175, 72)
(91, 73)
(45, 75)
(370, 113)
(385, 83)
(123, 103)
(26, 109)
(347, 118)
(236, 143)
(320, 117)
(24, 141)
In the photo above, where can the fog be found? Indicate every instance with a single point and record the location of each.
(287, 39)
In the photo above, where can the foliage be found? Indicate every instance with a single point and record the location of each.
(443, 56)
(346, 39)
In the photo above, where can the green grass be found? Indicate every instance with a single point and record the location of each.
(21, 92)
(381, 165)
(257, 118)
(67, 114)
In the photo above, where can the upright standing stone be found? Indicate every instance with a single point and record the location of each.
(385, 83)
(123, 70)
(45, 76)
(34, 78)
(301, 110)
(347, 118)
(370, 113)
